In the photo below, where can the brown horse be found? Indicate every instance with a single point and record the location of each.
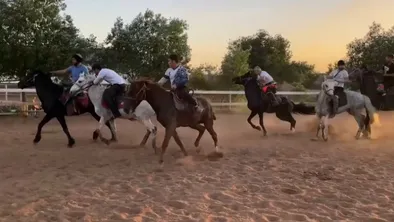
(170, 114)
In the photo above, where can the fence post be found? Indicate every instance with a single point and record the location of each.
(6, 92)
(229, 100)
(25, 108)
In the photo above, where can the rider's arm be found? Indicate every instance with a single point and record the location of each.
(99, 78)
(331, 75)
(62, 71)
(165, 78)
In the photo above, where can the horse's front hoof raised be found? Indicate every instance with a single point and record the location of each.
(37, 139)
(71, 143)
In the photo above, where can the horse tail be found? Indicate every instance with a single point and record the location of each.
(302, 108)
(371, 110)
(213, 116)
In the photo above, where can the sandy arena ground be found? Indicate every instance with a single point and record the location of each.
(281, 177)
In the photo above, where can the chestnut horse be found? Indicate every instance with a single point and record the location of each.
(169, 114)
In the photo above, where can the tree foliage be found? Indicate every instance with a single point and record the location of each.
(143, 46)
(34, 35)
(235, 63)
(372, 48)
(271, 53)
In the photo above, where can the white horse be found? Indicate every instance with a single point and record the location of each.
(356, 103)
(143, 112)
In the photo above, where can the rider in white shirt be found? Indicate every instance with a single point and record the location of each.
(179, 77)
(341, 76)
(117, 88)
(267, 83)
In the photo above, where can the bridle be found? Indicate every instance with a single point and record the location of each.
(142, 91)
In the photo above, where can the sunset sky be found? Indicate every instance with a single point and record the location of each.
(318, 30)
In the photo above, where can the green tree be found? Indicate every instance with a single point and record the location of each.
(235, 63)
(372, 48)
(272, 53)
(34, 36)
(143, 46)
(204, 77)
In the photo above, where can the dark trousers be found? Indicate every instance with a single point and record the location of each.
(271, 91)
(110, 96)
(183, 94)
(338, 91)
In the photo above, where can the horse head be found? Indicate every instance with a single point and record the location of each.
(82, 83)
(328, 86)
(30, 79)
(242, 80)
(137, 92)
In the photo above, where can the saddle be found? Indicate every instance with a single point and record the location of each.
(74, 104)
(181, 104)
(119, 100)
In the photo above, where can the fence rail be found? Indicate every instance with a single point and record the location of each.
(230, 103)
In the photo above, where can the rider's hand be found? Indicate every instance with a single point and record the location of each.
(173, 86)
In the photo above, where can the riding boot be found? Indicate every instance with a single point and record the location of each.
(274, 101)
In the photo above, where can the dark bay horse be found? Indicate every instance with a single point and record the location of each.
(258, 105)
(371, 84)
(53, 98)
(171, 117)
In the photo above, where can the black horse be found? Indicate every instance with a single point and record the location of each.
(57, 103)
(259, 103)
(371, 84)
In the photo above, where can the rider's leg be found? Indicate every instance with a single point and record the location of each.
(271, 94)
(109, 96)
(183, 93)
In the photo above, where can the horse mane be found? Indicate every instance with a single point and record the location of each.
(148, 81)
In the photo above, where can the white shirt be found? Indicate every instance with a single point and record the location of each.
(264, 77)
(109, 76)
(170, 73)
(339, 76)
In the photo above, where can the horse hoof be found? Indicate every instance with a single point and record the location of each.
(71, 143)
(105, 141)
(315, 139)
(258, 128)
(95, 135)
(113, 140)
(37, 139)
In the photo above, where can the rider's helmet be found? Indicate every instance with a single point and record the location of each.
(78, 57)
(257, 70)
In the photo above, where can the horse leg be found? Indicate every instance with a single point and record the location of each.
(360, 122)
(367, 127)
(63, 123)
(98, 130)
(285, 115)
(253, 113)
(179, 142)
(95, 133)
(44, 121)
(151, 129)
(167, 136)
(324, 127)
(261, 121)
(209, 126)
(112, 127)
(201, 130)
